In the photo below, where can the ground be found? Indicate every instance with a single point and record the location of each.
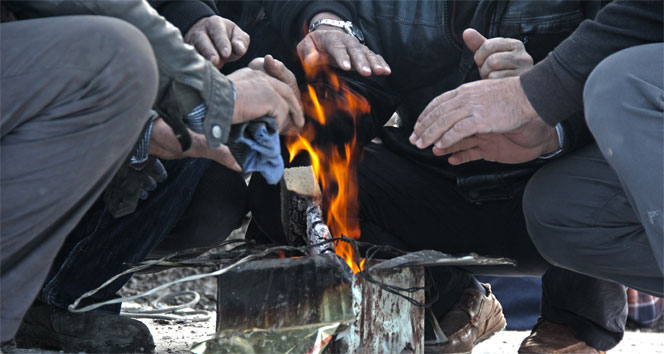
(177, 336)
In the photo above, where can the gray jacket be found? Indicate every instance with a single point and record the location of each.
(186, 79)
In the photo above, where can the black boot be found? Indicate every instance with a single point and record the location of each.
(49, 327)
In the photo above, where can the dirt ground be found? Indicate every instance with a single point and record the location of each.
(177, 336)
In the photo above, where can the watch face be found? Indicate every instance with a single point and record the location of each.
(358, 34)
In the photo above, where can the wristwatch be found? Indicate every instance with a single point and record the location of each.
(345, 25)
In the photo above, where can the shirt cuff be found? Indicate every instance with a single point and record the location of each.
(143, 149)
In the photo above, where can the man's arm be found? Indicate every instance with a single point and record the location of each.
(551, 91)
(184, 14)
(216, 38)
(554, 86)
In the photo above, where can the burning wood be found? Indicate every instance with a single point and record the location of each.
(326, 103)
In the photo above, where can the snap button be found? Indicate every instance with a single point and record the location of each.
(216, 131)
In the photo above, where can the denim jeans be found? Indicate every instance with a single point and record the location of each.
(101, 246)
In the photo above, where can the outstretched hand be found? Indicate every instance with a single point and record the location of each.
(487, 119)
(340, 49)
(217, 39)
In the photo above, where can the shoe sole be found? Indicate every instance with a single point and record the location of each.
(497, 328)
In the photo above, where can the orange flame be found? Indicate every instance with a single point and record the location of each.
(334, 167)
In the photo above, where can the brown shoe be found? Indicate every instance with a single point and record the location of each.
(553, 338)
(471, 320)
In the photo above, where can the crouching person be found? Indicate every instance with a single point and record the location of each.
(77, 89)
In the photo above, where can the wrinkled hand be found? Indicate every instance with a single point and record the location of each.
(270, 92)
(278, 70)
(524, 144)
(217, 39)
(485, 106)
(497, 57)
(165, 145)
(340, 49)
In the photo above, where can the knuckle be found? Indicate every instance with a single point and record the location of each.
(493, 62)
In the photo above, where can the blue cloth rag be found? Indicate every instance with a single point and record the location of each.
(254, 144)
(261, 138)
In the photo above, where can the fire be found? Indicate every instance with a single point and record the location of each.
(334, 166)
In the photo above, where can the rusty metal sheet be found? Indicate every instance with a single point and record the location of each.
(436, 258)
(385, 322)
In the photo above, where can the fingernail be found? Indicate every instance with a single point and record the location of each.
(213, 58)
(240, 44)
(366, 69)
(346, 65)
(419, 143)
(226, 52)
(412, 138)
(439, 145)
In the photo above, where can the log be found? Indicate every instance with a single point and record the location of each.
(301, 211)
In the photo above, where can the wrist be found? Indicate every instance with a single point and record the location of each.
(527, 109)
(324, 16)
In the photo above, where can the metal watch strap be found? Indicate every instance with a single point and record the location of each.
(345, 25)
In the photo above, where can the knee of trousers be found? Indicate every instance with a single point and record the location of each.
(217, 208)
(544, 223)
(612, 92)
(129, 79)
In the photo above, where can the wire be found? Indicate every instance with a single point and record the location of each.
(245, 252)
(171, 312)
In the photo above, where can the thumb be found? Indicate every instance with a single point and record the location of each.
(473, 39)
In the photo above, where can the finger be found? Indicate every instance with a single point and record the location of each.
(358, 57)
(495, 45)
(293, 106)
(463, 128)
(384, 64)
(340, 57)
(465, 156)
(464, 144)
(219, 36)
(240, 41)
(473, 39)
(159, 171)
(281, 113)
(435, 110)
(447, 96)
(497, 62)
(257, 64)
(223, 156)
(307, 48)
(440, 126)
(278, 70)
(503, 73)
(143, 194)
(149, 184)
(378, 66)
(204, 46)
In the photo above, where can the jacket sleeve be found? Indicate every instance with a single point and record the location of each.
(555, 85)
(186, 79)
(184, 14)
(291, 18)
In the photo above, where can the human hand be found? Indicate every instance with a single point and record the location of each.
(497, 57)
(165, 145)
(156, 175)
(217, 39)
(278, 70)
(485, 106)
(524, 144)
(269, 92)
(340, 49)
